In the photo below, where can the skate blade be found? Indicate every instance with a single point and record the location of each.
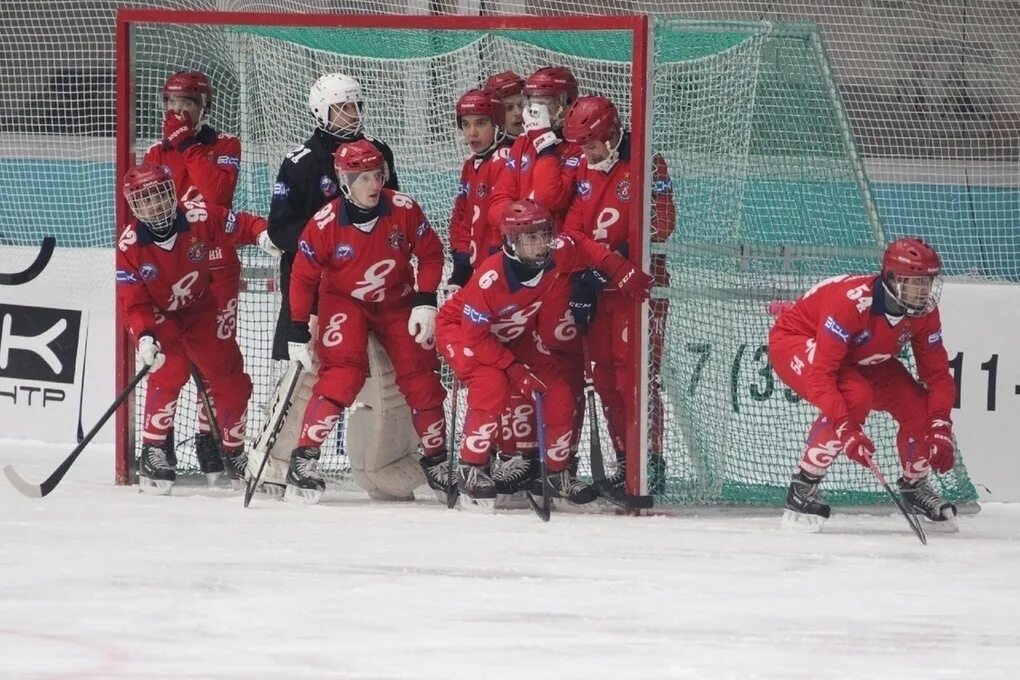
(295, 494)
(594, 506)
(271, 490)
(155, 487)
(948, 525)
(212, 478)
(511, 501)
(484, 506)
(802, 522)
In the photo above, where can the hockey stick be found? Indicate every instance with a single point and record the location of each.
(543, 510)
(598, 463)
(81, 395)
(910, 516)
(451, 454)
(214, 427)
(44, 489)
(33, 270)
(253, 483)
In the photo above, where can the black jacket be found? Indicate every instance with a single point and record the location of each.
(306, 182)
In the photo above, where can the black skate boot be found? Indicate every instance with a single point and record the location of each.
(514, 473)
(476, 486)
(437, 474)
(235, 463)
(923, 499)
(565, 486)
(304, 479)
(170, 448)
(208, 454)
(155, 474)
(805, 510)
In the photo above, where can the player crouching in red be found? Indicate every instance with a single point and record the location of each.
(480, 326)
(357, 252)
(162, 282)
(837, 347)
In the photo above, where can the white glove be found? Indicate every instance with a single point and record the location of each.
(536, 117)
(148, 352)
(422, 325)
(298, 351)
(266, 244)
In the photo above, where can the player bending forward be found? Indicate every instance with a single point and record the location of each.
(357, 253)
(837, 347)
(478, 328)
(162, 282)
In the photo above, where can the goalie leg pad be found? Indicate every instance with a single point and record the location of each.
(286, 417)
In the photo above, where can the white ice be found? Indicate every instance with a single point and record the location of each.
(98, 581)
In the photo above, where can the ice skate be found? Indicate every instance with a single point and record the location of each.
(208, 454)
(155, 475)
(305, 482)
(805, 510)
(919, 495)
(437, 474)
(477, 490)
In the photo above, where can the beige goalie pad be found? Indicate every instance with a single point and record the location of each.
(382, 445)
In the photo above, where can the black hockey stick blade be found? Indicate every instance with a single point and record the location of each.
(253, 483)
(451, 455)
(545, 509)
(214, 426)
(33, 270)
(598, 463)
(626, 500)
(44, 489)
(909, 515)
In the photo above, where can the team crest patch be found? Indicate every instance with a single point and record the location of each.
(396, 239)
(344, 251)
(861, 338)
(584, 189)
(904, 337)
(148, 271)
(623, 190)
(327, 186)
(482, 190)
(197, 251)
(231, 225)
(525, 163)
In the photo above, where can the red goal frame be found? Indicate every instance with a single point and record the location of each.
(638, 25)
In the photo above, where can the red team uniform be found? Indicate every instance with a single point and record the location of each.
(601, 211)
(838, 348)
(480, 329)
(163, 291)
(366, 282)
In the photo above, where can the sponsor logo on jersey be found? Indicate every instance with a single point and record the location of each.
(306, 248)
(662, 186)
(281, 190)
(623, 189)
(148, 271)
(464, 189)
(861, 337)
(396, 239)
(229, 161)
(935, 338)
(231, 226)
(525, 163)
(474, 316)
(833, 327)
(327, 186)
(344, 251)
(126, 277)
(482, 190)
(423, 228)
(216, 254)
(572, 162)
(197, 252)
(584, 189)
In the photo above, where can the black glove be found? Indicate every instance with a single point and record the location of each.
(584, 291)
(299, 332)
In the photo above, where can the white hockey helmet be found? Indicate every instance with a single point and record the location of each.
(336, 89)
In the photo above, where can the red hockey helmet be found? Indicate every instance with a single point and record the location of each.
(480, 103)
(552, 81)
(590, 119)
(191, 84)
(527, 229)
(505, 84)
(359, 156)
(912, 273)
(151, 196)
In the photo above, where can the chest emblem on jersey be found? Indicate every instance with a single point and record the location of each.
(148, 271)
(344, 251)
(525, 163)
(623, 189)
(197, 251)
(396, 239)
(584, 189)
(904, 335)
(327, 186)
(464, 189)
(482, 190)
(861, 338)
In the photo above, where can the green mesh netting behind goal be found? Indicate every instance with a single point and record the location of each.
(770, 198)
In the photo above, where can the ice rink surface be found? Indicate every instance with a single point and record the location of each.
(101, 582)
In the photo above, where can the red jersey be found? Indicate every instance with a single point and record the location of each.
(845, 320)
(150, 277)
(601, 206)
(547, 179)
(370, 263)
(495, 308)
(206, 171)
(472, 236)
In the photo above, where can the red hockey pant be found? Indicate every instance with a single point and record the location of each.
(224, 286)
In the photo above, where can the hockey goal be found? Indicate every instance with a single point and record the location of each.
(770, 194)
